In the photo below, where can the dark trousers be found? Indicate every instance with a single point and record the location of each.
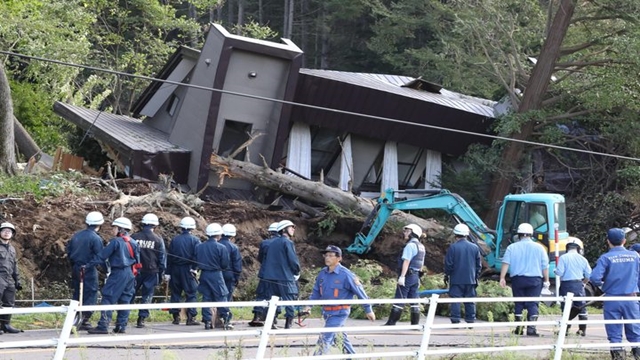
(526, 286)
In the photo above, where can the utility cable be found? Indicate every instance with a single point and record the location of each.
(286, 102)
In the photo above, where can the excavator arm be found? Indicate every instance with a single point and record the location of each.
(444, 200)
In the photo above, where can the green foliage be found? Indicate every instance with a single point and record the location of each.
(327, 225)
(254, 30)
(40, 187)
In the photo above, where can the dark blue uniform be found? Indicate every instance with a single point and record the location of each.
(81, 249)
(181, 260)
(280, 265)
(153, 257)
(213, 259)
(463, 264)
(232, 275)
(338, 284)
(617, 272)
(119, 286)
(262, 291)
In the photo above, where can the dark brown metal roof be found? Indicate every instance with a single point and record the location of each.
(383, 96)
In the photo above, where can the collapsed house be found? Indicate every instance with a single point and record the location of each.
(357, 131)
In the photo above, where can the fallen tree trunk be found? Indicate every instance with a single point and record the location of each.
(312, 191)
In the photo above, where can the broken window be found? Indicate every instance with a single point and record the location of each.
(234, 134)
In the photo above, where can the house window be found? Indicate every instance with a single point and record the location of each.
(234, 134)
(410, 169)
(325, 149)
(173, 104)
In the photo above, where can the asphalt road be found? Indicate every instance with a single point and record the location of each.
(293, 346)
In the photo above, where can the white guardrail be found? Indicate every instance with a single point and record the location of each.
(556, 346)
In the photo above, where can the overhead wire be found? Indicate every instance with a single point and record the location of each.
(316, 107)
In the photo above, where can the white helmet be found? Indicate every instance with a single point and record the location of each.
(273, 227)
(213, 229)
(525, 229)
(188, 223)
(6, 225)
(284, 224)
(123, 223)
(150, 219)
(574, 242)
(94, 218)
(228, 230)
(461, 229)
(414, 229)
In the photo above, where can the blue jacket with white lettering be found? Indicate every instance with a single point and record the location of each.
(153, 254)
(617, 272)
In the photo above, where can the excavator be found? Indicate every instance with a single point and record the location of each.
(545, 212)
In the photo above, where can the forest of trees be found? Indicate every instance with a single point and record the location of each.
(567, 70)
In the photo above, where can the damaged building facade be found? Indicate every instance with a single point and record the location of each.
(357, 131)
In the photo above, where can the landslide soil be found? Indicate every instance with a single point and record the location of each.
(45, 227)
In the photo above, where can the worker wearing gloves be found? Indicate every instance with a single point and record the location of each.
(573, 271)
(232, 273)
(528, 266)
(181, 270)
(410, 264)
(9, 276)
(282, 268)
(336, 282)
(462, 266)
(123, 254)
(153, 257)
(82, 248)
(617, 272)
(213, 259)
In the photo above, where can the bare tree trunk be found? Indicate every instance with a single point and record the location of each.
(260, 13)
(24, 141)
(304, 8)
(7, 144)
(231, 15)
(240, 15)
(531, 100)
(193, 14)
(324, 40)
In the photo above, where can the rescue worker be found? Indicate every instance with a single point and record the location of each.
(336, 282)
(181, 270)
(617, 272)
(123, 255)
(213, 259)
(9, 276)
(262, 293)
(573, 270)
(232, 274)
(410, 264)
(282, 268)
(82, 248)
(528, 266)
(636, 248)
(153, 257)
(462, 266)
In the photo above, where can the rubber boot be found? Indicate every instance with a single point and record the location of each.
(636, 353)
(415, 316)
(288, 322)
(531, 329)
(208, 325)
(257, 320)
(519, 329)
(192, 321)
(618, 354)
(582, 328)
(6, 325)
(394, 316)
(119, 330)
(140, 322)
(85, 324)
(176, 319)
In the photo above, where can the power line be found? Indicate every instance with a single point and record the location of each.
(257, 97)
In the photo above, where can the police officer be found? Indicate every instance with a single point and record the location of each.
(410, 263)
(528, 265)
(617, 272)
(213, 259)
(153, 257)
(82, 248)
(9, 276)
(336, 282)
(462, 266)
(262, 293)
(181, 270)
(573, 270)
(123, 254)
(232, 274)
(282, 268)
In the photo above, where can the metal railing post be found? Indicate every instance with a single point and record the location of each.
(562, 333)
(65, 333)
(268, 322)
(431, 316)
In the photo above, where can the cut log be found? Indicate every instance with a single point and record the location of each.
(312, 191)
